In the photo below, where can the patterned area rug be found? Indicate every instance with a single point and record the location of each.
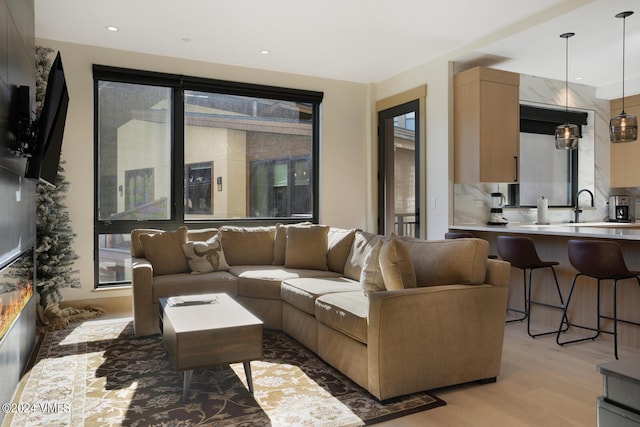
(99, 374)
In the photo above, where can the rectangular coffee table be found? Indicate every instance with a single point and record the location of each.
(208, 330)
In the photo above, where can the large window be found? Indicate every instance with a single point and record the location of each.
(174, 150)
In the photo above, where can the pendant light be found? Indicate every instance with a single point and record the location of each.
(567, 135)
(623, 127)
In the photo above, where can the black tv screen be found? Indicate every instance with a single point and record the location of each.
(43, 163)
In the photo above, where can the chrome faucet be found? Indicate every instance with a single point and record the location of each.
(577, 211)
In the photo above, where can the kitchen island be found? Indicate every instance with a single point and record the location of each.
(551, 244)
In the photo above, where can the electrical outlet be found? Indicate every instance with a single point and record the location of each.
(478, 203)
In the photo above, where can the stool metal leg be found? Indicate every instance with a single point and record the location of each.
(524, 293)
(565, 319)
(561, 300)
(615, 320)
(530, 301)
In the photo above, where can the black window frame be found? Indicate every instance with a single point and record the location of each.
(179, 84)
(543, 121)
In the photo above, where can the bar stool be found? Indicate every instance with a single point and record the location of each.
(601, 260)
(457, 235)
(463, 235)
(521, 252)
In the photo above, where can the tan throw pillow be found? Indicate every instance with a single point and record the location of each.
(164, 251)
(248, 245)
(396, 265)
(371, 276)
(340, 241)
(448, 262)
(307, 247)
(205, 257)
(362, 244)
(280, 242)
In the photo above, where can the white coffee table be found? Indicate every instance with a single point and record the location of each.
(209, 330)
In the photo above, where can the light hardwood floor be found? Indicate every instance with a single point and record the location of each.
(541, 384)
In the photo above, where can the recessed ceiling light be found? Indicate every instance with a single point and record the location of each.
(264, 52)
(579, 78)
(112, 28)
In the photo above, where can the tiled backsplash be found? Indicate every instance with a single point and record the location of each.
(471, 201)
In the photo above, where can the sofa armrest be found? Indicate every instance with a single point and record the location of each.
(498, 272)
(144, 318)
(425, 338)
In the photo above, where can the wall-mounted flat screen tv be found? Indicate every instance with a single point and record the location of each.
(43, 163)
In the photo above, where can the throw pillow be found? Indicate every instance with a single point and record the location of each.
(362, 244)
(396, 264)
(164, 251)
(340, 242)
(371, 276)
(280, 242)
(248, 245)
(307, 247)
(205, 257)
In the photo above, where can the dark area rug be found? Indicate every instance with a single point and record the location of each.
(99, 374)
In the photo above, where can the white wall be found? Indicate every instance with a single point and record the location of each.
(345, 159)
(437, 188)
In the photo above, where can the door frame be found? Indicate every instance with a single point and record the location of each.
(393, 104)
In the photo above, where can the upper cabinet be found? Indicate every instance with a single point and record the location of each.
(624, 155)
(486, 125)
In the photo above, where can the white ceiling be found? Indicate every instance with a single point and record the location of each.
(364, 40)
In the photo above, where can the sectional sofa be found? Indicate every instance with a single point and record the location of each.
(396, 315)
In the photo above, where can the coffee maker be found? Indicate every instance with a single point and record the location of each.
(619, 208)
(495, 216)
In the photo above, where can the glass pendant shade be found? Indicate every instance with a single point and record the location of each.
(623, 128)
(567, 136)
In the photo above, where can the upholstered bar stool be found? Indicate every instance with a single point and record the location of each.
(457, 235)
(463, 235)
(521, 252)
(601, 260)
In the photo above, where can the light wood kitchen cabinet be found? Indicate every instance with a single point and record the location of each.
(486, 125)
(624, 155)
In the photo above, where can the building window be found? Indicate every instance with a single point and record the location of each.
(158, 138)
(198, 191)
(281, 188)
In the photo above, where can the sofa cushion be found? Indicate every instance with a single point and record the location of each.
(371, 279)
(164, 251)
(302, 293)
(396, 265)
(339, 246)
(248, 245)
(362, 244)
(263, 281)
(345, 312)
(205, 257)
(445, 262)
(280, 241)
(307, 247)
(187, 284)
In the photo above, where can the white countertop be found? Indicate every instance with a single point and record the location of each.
(609, 230)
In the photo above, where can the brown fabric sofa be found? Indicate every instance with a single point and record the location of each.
(441, 324)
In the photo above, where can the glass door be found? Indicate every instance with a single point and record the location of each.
(399, 170)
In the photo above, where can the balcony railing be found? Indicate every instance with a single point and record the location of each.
(406, 224)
